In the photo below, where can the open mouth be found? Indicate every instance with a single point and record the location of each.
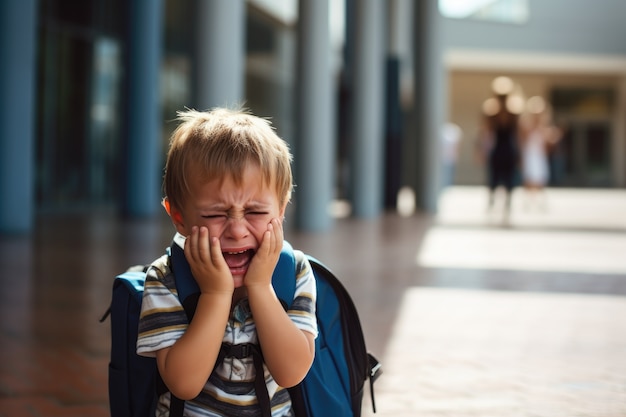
(238, 261)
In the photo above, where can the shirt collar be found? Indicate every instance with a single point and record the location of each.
(180, 240)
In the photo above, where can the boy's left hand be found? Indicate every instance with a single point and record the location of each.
(265, 259)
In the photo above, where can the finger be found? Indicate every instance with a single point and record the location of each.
(280, 233)
(268, 238)
(276, 236)
(191, 244)
(216, 252)
(266, 242)
(203, 245)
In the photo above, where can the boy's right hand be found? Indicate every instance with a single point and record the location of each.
(207, 263)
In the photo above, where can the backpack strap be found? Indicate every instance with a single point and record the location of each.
(246, 350)
(186, 285)
(284, 279)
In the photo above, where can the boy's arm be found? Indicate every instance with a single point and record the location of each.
(288, 351)
(186, 366)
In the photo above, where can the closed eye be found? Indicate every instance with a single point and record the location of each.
(213, 216)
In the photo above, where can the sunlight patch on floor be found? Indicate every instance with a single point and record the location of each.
(523, 250)
(467, 353)
(576, 231)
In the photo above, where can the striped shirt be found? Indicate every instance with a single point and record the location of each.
(230, 388)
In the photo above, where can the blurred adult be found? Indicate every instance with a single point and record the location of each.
(501, 126)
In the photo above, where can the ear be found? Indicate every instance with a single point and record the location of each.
(283, 209)
(176, 216)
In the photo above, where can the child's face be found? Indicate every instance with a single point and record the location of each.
(238, 214)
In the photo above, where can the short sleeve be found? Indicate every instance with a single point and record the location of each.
(302, 310)
(163, 320)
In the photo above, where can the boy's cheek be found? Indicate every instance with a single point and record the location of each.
(214, 229)
(261, 226)
(201, 223)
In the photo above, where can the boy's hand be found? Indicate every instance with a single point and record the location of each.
(207, 263)
(265, 259)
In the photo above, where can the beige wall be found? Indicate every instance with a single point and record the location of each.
(468, 89)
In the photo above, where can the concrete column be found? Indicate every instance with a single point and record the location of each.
(429, 103)
(220, 53)
(315, 153)
(144, 141)
(368, 97)
(398, 20)
(18, 33)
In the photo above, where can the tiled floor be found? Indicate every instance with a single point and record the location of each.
(471, 316)
(524, 318)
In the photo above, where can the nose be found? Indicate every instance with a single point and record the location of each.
(237, 227)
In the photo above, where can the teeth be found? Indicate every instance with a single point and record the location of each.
(236, 253)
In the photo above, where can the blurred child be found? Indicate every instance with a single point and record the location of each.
(538, 137)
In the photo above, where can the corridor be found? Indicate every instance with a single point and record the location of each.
(471, 315)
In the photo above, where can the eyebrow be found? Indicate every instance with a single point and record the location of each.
(257, 206)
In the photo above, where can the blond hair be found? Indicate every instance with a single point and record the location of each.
(222, 142)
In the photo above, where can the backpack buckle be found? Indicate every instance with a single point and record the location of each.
(240, 351)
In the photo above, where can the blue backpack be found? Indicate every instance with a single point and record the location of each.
(332, 388)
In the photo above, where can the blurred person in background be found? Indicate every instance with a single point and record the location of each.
(538, 137)
(499, 138)
(451, 135)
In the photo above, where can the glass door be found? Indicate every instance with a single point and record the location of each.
(79, 111)
(585, 154)
(64, 109)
